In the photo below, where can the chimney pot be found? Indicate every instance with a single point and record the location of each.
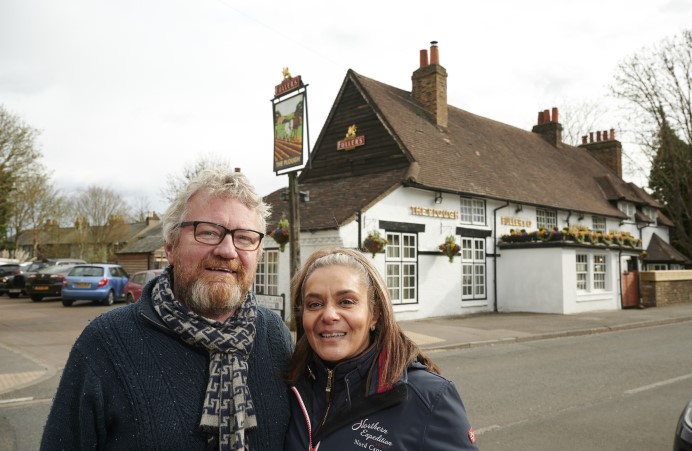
(540, 117)
(605, 135)
(237, 169)
(590, 137)
(434, 53)
(555, 114)
(423, 58)
(546, 116)
(598, 136)
(612, 134)
(583, 139)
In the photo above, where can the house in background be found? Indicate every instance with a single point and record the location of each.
(417, 171)
(91, 243)
(144, 251)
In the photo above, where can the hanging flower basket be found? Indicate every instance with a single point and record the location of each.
(450, 248)
(281, 234)
(374, 243)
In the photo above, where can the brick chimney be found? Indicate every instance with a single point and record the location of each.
(606, 149)
(549, 127)
(430, 85)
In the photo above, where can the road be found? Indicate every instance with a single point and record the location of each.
(611, 391)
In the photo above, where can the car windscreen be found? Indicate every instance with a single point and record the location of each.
(87, 271)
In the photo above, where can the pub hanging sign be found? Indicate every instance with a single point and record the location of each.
(351, 140)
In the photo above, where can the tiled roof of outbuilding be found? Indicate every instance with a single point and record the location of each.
(661, 252)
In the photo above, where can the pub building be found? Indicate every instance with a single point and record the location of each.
(542, 226)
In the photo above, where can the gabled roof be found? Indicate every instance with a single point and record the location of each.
(145, 243)
(473, 156)
(661, 252)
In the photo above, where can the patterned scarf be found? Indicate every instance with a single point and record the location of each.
(228, 405)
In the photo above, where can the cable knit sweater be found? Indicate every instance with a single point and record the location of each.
(129, 383)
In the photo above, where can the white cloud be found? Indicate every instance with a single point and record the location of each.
(127, 92)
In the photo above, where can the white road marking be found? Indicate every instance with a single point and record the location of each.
(658, 384)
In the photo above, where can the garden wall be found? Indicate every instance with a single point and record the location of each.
(666, 287)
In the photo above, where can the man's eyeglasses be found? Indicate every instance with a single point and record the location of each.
(213, 234)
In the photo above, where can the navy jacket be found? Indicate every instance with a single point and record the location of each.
(130, 384)
(423, 411)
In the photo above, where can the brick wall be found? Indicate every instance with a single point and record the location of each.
(666, 287)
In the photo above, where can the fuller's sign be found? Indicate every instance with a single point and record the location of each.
(434, 212)
(351, 140)
(289, 84)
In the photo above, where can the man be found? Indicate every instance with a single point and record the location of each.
(195, 364)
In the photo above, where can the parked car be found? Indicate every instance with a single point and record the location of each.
(104, 283)
(15, 285)
(47, 282)
(683, 432)
(8, 272)
(133, 288)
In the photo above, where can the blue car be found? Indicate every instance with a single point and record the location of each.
(102, 283)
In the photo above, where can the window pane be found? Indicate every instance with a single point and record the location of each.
(466, 211)
(393, 245)
(478, 212)
(582, 271)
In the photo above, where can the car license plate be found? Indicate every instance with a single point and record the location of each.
(15, 290)
(40, 288)
(82, 285)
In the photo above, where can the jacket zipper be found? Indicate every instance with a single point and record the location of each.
(328, 390)
(307, 419)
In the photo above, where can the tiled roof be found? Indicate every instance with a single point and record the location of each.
(474, 156)
(145, 243)
(661, 252)
(479, 156)
(335, 202)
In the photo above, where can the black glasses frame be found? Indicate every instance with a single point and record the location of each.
(226, 230)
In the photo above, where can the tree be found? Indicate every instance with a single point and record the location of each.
(656, 85)
(175, 182)
(17, 152)
(578, 118)
(37, 208)
(100, 223)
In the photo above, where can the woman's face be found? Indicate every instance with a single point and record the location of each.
(336, 313)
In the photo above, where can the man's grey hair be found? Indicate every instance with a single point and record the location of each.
(216, 183)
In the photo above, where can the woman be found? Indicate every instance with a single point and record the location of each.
(358, 382)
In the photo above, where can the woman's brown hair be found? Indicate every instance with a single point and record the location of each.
(399, 350)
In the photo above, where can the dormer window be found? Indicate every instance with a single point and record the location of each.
(627, 208)
(651, 213)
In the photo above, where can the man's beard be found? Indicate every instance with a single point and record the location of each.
(210, 295)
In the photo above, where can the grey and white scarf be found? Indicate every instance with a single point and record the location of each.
(228, 405)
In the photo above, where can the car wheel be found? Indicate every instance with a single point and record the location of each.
(130, 299)
(36, 297)
(109, 300)
(13, 295)
(67, 302)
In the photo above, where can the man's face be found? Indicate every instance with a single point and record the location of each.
(213, 280)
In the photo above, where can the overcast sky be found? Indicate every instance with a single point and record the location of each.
(128, 92)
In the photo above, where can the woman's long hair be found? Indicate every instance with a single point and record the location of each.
(397, 349)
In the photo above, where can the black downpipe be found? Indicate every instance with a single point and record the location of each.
(495, 255)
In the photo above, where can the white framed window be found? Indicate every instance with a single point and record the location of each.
(472, 211)
(401, 261)
(628, 208)
(546, 218)
(473, 269)
(598, 224)
(652, 213)
(267, 276)
(592, 272)
(600, 271)
(582, 272)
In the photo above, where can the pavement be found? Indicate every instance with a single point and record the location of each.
(18, 370)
